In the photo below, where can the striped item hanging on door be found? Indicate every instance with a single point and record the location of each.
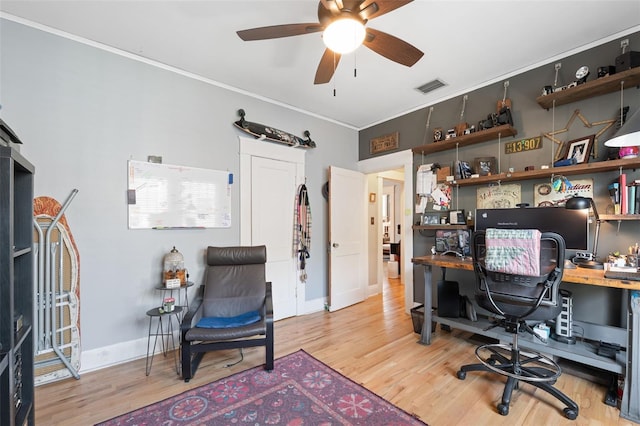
(302, 230)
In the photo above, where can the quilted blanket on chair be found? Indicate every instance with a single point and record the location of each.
(513, 251)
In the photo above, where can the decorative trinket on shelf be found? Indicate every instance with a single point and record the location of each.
(168, 304)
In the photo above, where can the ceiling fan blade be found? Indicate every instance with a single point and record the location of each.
(392, 47)
(277, 31)
(368, 11)
(326, 67)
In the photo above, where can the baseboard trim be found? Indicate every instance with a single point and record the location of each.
(119, 353)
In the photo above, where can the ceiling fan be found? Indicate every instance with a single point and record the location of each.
(336, 13)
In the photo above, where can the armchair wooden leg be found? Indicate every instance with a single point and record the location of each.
(186, 361)
(269, 353)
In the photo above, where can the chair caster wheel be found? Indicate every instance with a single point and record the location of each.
(503, 409)
(186, 380)
(569, 413)
(461, 374)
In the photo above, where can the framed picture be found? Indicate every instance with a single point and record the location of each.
(580, 149)
(456, 217)
(430, 219)
(498, 196)
(485, 166)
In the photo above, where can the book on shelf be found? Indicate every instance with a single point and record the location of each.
(462, 170)
(614, 193)
(622, 180)
(625, 195)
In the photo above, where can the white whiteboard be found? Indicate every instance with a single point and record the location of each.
(164, 196)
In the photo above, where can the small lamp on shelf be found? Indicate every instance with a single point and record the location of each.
(587, 260)
(627, 138)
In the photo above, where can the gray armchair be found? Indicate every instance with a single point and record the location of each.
(234, 308)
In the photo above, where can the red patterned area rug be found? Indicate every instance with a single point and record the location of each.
(299, 391)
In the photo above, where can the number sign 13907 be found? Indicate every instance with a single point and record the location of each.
(523, 145)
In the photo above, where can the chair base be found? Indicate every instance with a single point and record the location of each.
(192, 353)
(530, 367)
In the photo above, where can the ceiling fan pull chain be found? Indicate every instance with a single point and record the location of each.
(355, 65)
(334, 71)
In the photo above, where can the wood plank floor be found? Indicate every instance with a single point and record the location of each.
(372, 343)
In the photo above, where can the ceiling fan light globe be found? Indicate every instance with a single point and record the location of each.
(344, 35)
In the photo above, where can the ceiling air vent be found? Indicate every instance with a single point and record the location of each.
(430, 86)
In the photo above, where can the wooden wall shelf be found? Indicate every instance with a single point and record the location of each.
(592, 88)
(577, 169)
(477, 137)
(617, 217)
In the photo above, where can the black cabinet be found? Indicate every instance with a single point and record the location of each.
(16, 288)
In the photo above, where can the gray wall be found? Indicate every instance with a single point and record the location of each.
(530, 120)
(82, 112)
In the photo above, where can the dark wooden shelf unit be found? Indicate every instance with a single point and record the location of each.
(16, 289)
(477, 137)
(577, 169)
(616, 217)
(592, 88)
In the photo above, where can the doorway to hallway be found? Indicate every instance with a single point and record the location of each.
(402, 162)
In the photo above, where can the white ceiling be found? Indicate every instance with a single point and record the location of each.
(467, 44)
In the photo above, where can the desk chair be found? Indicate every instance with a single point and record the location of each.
(506, 288)
(234, 309)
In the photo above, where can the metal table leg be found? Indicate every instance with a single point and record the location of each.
(162, 331)
(425, 336)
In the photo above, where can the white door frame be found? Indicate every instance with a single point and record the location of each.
(394, 161)
(256, 148)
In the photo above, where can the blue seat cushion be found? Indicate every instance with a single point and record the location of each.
(229, 322)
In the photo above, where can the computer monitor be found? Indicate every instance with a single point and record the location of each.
(573, 225)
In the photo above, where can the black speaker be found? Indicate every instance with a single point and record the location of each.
(627, 61)
(448, 299)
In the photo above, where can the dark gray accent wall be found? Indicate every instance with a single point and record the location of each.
(530, 120)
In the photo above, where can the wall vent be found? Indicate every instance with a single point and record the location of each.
(431, 86)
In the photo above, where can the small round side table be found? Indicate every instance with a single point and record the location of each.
(163, 331)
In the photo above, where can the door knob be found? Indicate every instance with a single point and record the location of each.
(335, 245)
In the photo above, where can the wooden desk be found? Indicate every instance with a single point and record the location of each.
(626, 365)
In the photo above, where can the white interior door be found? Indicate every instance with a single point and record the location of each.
(269, 177)
(347, 238)
(273, 187)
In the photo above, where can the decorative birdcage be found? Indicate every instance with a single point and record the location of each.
(174, 272)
